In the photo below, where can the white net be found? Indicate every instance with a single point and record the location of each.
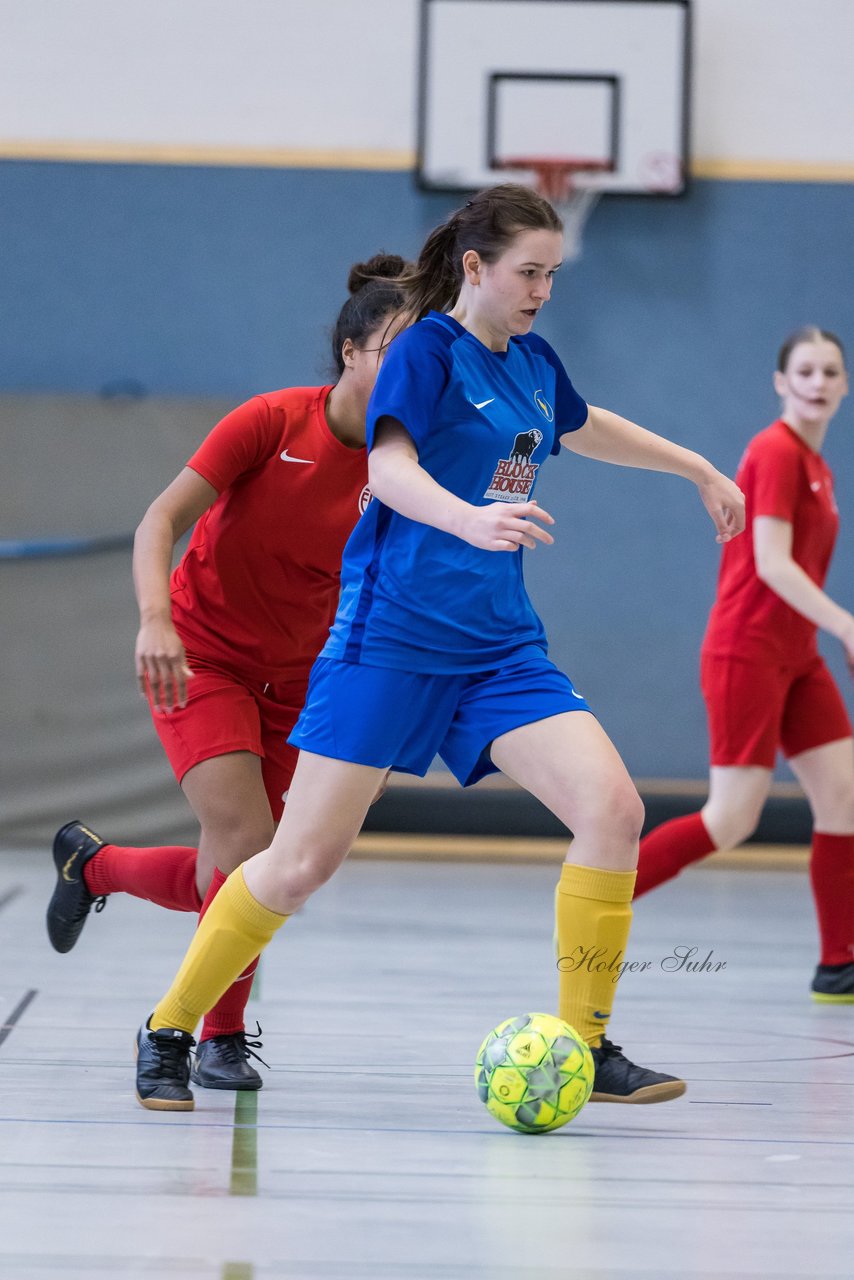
(571, 186)
(575, 209)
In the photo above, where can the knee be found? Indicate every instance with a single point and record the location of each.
(616, 812)
(630, 814)
(302, 876)
(835, 808)
(846, 816)
(232, 841)
(730, 827)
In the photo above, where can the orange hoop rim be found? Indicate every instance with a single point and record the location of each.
(556, 175)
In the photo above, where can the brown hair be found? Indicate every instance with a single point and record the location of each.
(374, 293)
(809, 333)
(487, 223)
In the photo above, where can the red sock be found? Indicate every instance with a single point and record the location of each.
(165, 875)
(227, 1015)
(832, 877)
(669, 848)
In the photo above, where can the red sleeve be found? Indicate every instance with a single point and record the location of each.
(241, 441)
(775, 474)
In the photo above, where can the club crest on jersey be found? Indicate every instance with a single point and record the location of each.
(364, 498)
(544, 407)
(514, 476)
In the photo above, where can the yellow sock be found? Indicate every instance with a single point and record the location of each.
(594, 915)
(234, 929)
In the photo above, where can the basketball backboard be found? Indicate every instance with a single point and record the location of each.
(598, 80)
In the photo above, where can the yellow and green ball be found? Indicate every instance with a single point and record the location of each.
(534, 1072)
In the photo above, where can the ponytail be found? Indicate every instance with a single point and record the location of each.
(487, 223)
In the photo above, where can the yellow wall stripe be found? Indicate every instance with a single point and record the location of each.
(388, 159)
(247, 157)
(771, 170)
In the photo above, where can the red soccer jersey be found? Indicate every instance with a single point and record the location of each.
(257, 588)
(781, 476)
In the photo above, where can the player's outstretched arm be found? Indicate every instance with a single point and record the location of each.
(161, 663)
(607, 437)
(399, 481)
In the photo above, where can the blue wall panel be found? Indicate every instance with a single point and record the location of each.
(221, 282)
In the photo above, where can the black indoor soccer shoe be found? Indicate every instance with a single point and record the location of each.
(618, 1080)
(73, 846)
(834, 984)
(163, 1069)
(223, 1063)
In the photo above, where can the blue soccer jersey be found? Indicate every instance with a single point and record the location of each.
(483, 422)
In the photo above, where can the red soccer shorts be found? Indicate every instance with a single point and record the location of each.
(224, 714)
(754, 708)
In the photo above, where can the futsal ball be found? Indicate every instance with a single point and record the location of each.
(534, 1072)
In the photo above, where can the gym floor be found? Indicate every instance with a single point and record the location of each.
(367, 1152)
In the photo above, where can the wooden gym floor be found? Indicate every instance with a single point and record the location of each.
(367, 1153)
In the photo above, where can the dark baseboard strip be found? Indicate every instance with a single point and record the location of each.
(443, 808)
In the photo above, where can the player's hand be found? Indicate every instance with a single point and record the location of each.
(846, 636)
(724, 502)
(161, 664)
(503, 526)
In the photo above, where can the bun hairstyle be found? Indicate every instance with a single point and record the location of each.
(374, 295)
(809, 333)
(383, 266)
(487, 223)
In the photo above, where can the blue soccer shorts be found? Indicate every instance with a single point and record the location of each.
(402, 719)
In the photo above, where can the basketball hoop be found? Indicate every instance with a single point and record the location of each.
(566, 184)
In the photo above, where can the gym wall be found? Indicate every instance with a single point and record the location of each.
(182, 191)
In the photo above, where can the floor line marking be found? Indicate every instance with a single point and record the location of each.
(17, 1013)
(237, 1271)
(244, 1144)
(10, 895)
(580, 1134)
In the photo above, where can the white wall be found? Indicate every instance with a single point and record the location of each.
(773, 80)
(772, 77)
(258, 73)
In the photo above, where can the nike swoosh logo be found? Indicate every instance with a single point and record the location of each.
(66, 877)
(286, 457)
(482, 404)
(601, 1016)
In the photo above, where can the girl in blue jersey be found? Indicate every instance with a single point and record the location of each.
(436, 648)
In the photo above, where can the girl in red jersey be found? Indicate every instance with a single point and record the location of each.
(764, 683)
(225, 647)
